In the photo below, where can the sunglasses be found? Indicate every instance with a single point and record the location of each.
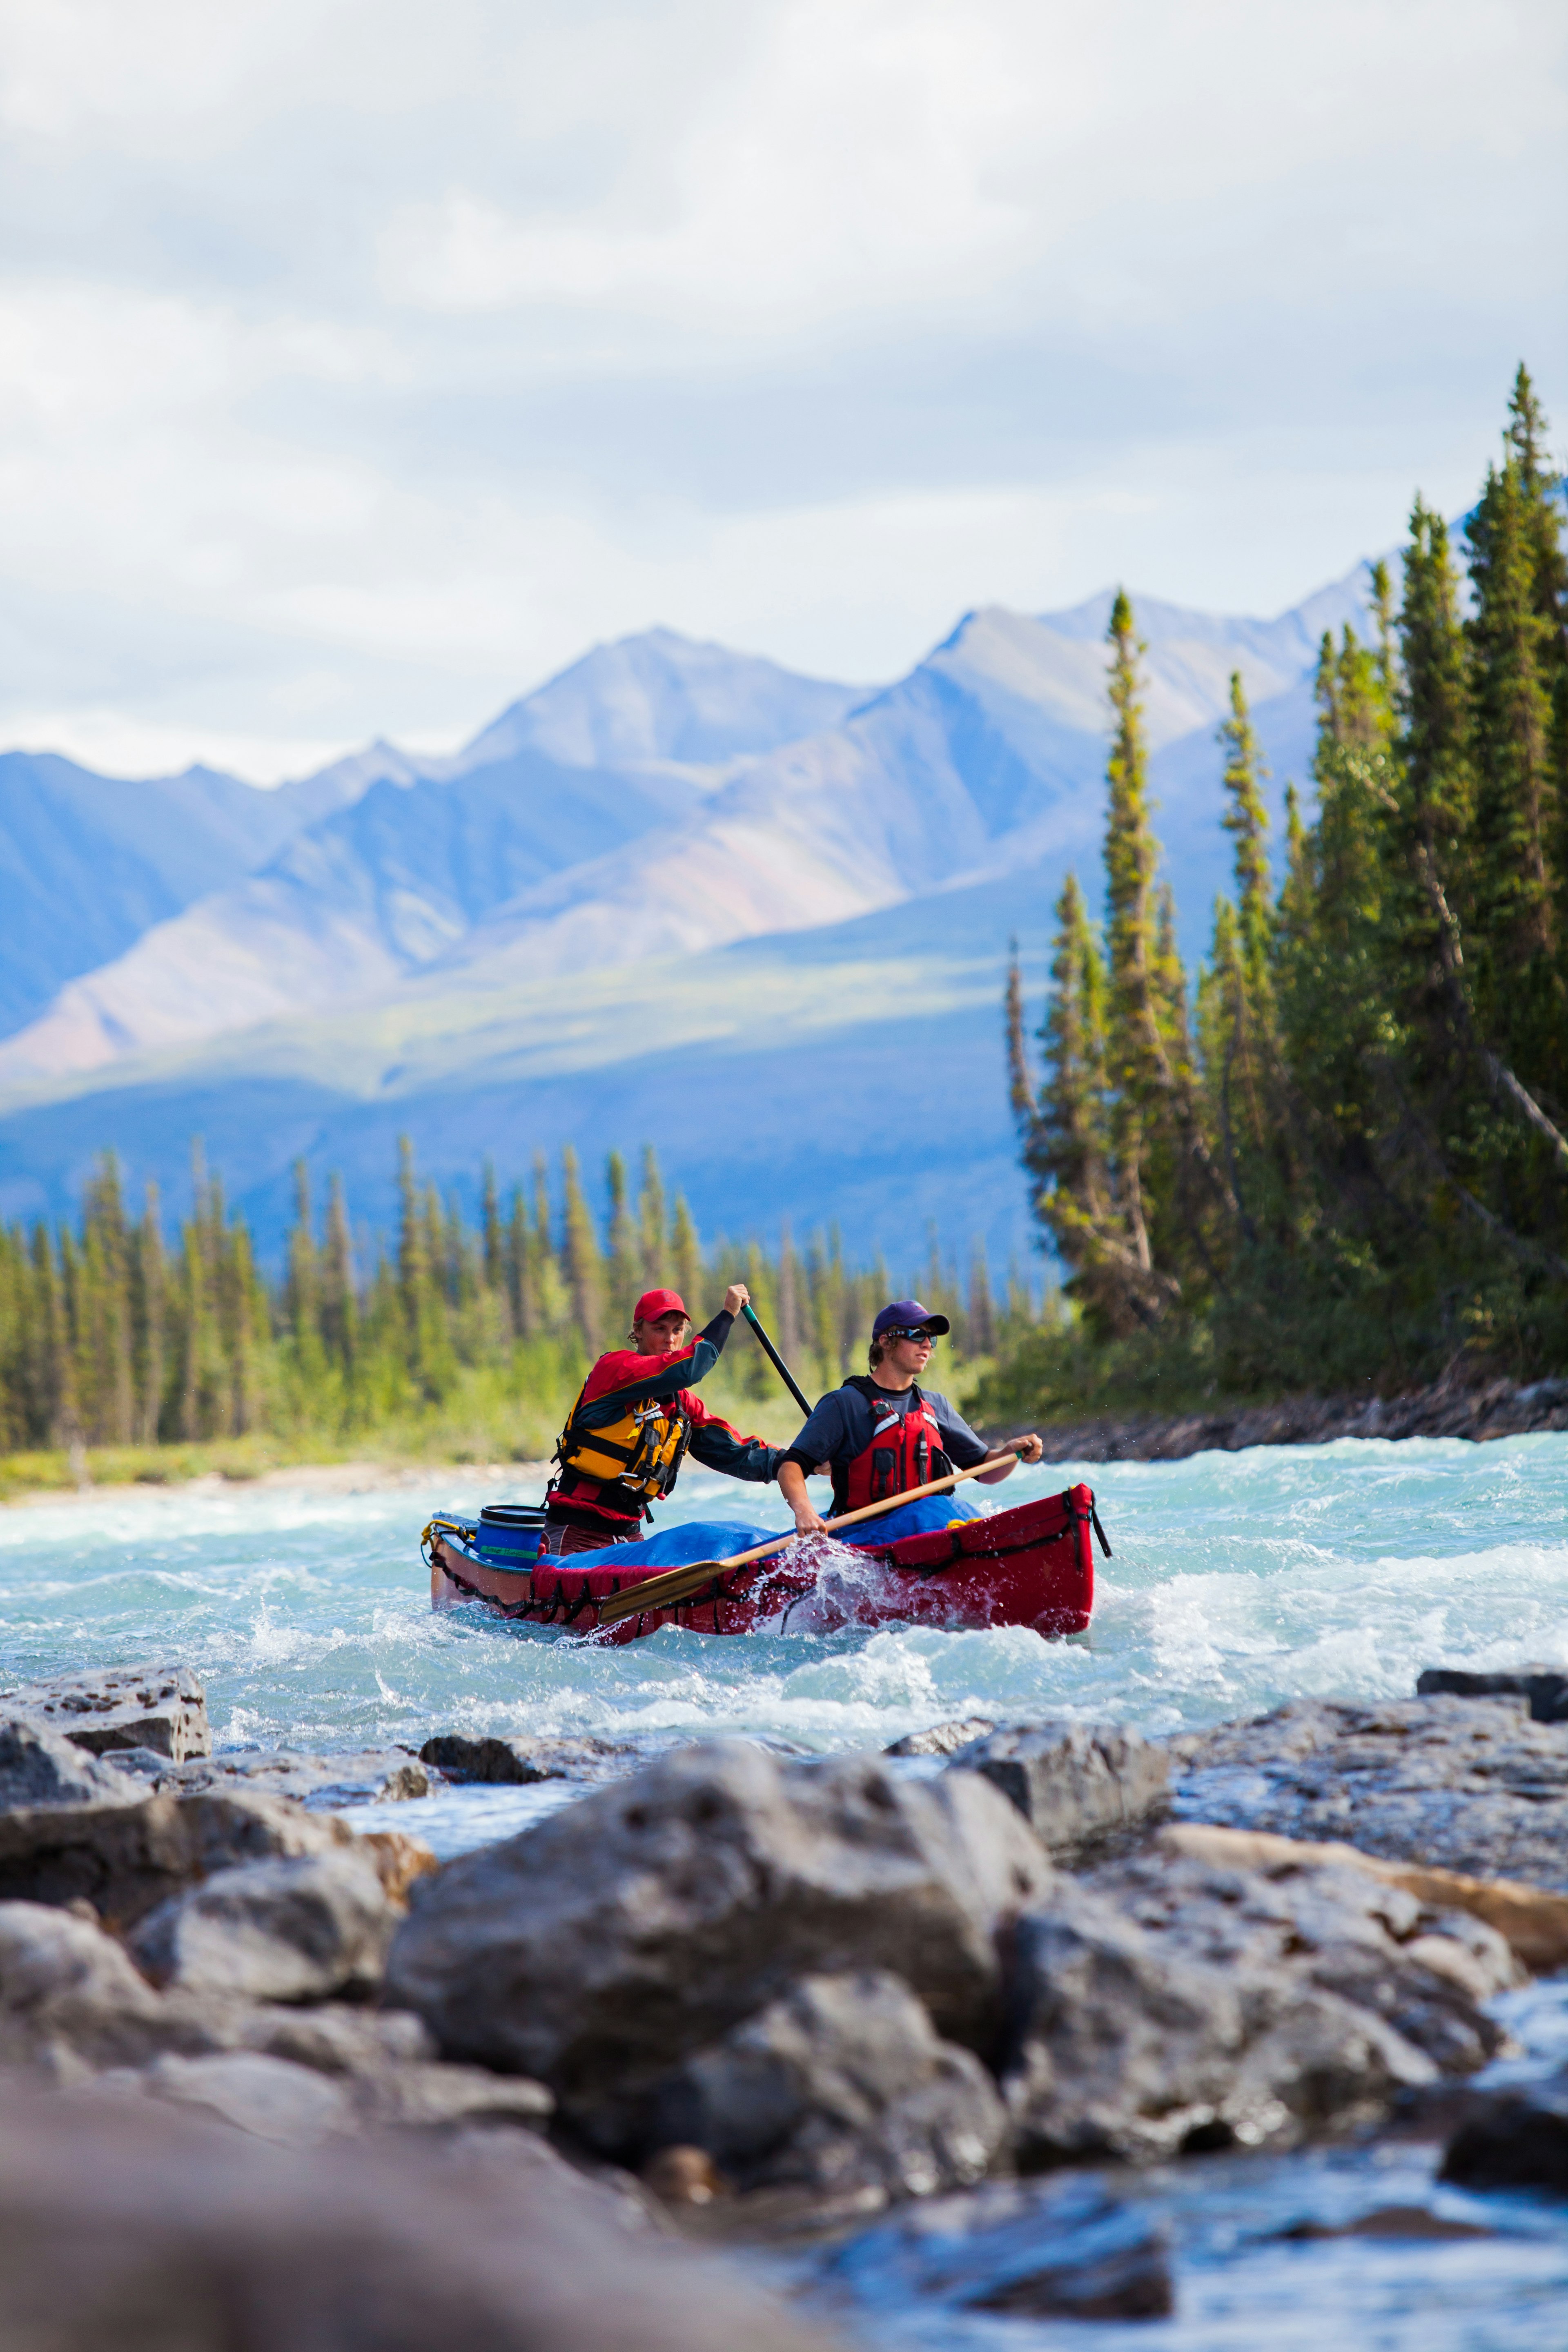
(917, 1331)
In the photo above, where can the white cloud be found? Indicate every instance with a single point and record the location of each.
(359, 361)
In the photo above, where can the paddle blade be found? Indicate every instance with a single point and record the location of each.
(660, 1591)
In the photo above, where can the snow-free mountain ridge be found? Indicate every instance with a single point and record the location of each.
(556, 913)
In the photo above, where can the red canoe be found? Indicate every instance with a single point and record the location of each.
(1033, 1566)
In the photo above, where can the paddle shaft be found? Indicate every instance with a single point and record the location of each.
(776, 1360)
(659, 1592)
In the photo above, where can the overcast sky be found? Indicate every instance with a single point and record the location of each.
(362, 362)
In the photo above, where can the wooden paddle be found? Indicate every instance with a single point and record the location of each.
(680, 1583)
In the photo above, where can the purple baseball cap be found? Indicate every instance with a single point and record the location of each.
(904, 1314)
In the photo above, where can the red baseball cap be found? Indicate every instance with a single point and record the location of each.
(654, 1303)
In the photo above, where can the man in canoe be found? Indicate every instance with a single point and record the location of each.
(636, 1420)
(882, 1434)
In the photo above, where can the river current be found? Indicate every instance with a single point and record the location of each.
(1237, 1581)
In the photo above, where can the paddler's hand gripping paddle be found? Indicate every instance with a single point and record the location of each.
(681, 1583)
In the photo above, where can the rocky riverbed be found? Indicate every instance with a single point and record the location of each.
(954, 2032)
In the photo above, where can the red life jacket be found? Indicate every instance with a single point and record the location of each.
(905, 1451)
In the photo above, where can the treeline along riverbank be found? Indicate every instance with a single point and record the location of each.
(459, 1338)
(1342, 1163)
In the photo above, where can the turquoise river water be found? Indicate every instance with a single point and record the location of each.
(1237, 1581)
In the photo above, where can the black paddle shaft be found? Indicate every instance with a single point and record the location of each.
(777, 1361)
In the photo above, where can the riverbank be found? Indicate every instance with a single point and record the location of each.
(1499, 1409)
(190, 1481)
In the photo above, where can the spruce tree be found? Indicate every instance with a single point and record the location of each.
(584, 1270)
(652, 1239)
(625, 1270)
(1516, 798)
(340, 1302)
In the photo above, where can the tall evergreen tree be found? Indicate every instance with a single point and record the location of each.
(584, 1268)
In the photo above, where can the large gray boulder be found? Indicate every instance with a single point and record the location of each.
(1467, 1784)
(295, 1929)
(126, 2222)
(600, 1949)
(1073, 1782)
(42, 1768)
(841, 2084)
(105, 1707)
(1166, 2005)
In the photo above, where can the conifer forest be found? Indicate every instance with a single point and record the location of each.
(1342, 1159)
(454, 1338)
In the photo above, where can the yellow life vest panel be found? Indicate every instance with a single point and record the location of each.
(639, 1453)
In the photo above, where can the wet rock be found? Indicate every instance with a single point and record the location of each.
(459, 1756)
(299, 1928)
(40, 1767)
(1164, 2007)
(125, 1858)
(268, 2098)
(1470, 1785)
(207, 2238)
(1066, 2251)
(1073, 1782)
(599, 1949)
(161, 1707)
(1514, 2140)
(843, 2082)
(941, 1738)
(1543, 1688)
(1533, 1924)
(336, 2039)
(359, 1776)
(68, 1992)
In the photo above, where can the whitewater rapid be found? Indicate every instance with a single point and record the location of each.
(1237, 1581)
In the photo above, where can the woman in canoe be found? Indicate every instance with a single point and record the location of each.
(881, 1435)
(633, 1423)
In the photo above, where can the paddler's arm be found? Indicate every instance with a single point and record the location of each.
(718, 1446)
(824, 1437)
(966, 1449)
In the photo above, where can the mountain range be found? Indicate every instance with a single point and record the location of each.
(676, 894)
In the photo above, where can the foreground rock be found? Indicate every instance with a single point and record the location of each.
(296, 1929)
(489, 1756)
(1544, 1689)
(841, 2085)
(361, 1776)
(1073, 1782)
(203, 2238)
(1533, 1924)
(604, 1947)
(1470, 1785)
(41, 1768)
(1514, 2140)
(1165, 2005)
(124, 1857)
(943, 1738)
(161, 1707)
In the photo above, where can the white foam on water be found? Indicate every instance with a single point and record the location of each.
(1237, 1581)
